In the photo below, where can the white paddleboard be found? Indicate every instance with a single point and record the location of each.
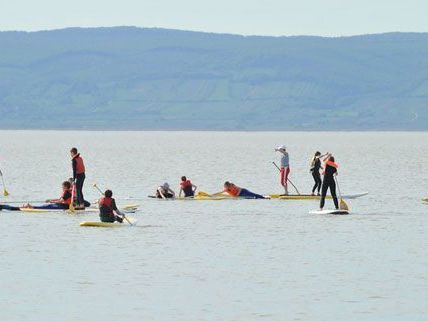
(334, 212)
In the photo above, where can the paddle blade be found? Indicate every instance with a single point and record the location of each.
(343, 205)
(5, 193)
(203, 194)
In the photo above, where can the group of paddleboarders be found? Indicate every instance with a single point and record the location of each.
(328, 172)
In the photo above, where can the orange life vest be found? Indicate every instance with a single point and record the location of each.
(106, 205)
(80, 166)
(233, 190)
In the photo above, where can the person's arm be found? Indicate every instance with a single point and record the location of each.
(171, 191)
(181, 189)
(161, 193)
(115, 209)
(194, 188)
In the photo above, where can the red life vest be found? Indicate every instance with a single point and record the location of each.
(187, 188)
(106, 206)
(66, 197)
(80, 166)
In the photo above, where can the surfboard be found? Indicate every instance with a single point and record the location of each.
(333, 212)
(109, 225)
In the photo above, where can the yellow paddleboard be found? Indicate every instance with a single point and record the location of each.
(111, 225)
(37, 210)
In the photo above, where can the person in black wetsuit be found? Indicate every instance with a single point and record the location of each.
(330, 170)
(108, 210)
(315, 169)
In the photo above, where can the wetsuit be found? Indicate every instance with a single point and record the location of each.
(64, 205)
(316, 175)
(329, 182)
(107, 207)
(165, 193)
(187, 187)
(79, 177)
(9, 207)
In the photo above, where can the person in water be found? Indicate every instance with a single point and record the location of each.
(62, 203)
(284, 168)
(187, 187)
(330, 170)
(237, 191)
(165, 191)
(315, 170)
(109, 212)
(78, 176)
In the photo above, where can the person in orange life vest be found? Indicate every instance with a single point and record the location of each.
(187, 187)
(78, 176)
(237, 191)
(330, 170)
(62, 203)
(285, 167)
(108, 210)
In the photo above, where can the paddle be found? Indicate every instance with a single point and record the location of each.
(287, 179)
(5, 192)
(123, 215)
(71, 206)
(342, 203)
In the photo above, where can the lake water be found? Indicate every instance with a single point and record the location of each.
(221, 260)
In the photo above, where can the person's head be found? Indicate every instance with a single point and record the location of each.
(165, 186)
(227, 184)
(108, 193)
(71, 180)
(317, 154)
(331, 159)
(66, 185)
(281, 149)
(183, 178)
(73, 151)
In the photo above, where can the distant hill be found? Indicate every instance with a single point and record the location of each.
(132, 78)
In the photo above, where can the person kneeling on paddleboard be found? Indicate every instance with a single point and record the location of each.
(237, 191)
(285, 167)
(62, 203)
(165, 191)
(330, 170)
(187, 187)
(109, 212)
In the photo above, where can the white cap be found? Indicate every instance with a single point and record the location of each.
(165, 185)
(282, 147)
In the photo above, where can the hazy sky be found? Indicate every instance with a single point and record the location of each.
(267, 17)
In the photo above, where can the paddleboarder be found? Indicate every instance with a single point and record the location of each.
(78, 176)
(187, 187)
(236, 191)
(164, 191)
(315, 170)
(330, 170)
(284, 170)
(61, 203)
(109, 212)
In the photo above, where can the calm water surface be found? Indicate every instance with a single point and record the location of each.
(224, 260)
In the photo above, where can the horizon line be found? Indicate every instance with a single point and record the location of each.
(210, 32)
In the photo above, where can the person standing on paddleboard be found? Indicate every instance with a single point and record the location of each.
(315, 170)
(330, 170)
(187, 187)
(285, 168)
(109, 212)
(78, 176)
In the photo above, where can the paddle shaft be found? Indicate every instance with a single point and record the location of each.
(342, 201)
(287, 178)
(5, 192)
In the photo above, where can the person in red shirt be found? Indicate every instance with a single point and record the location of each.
(78, 176)
(187, 187)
